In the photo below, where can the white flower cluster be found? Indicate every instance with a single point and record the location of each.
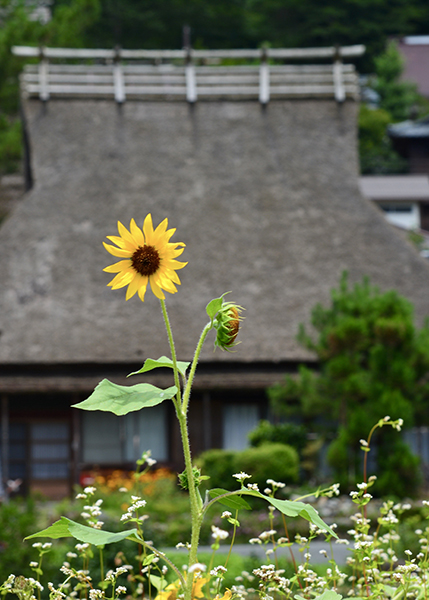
(219, 534)
(241, 476)
(137, 504)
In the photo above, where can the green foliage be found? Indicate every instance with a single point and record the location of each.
(375, 148)
(18, 518)
(276, 461)
(398, 469)
(398, 101)
(282, 433)
(248, 23)
(373, 362)
(397, 97)
(10, 144)
(218, 464)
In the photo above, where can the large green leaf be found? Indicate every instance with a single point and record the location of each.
(164, 361)
(121, 399)
(230, 500)
(67, 528)
(293, 509)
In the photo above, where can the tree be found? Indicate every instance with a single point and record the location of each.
(18, 25)
(398, 100)
(373, 362)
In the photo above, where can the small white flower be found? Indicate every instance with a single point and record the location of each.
(121, 589)
(241, 476)
(219, 534)
(226, 514)
(197, 567)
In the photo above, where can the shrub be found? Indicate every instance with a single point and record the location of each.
(269, 461)
(282, 433)
(218, 464)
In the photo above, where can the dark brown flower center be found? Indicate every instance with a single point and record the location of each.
(146, 260)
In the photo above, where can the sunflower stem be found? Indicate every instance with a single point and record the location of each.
(187, 391)
(173, 352)
(181, 412)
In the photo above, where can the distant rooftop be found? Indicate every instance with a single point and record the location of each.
(410, 129)
(395, 187)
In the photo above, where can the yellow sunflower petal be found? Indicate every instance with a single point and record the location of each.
(133, 287)
(161, 239)
(175, 264)
(156, 289)
(120, 252)
(125, 234)
(148, 228)
(142, 291)
(162, 228)
(172, 275)
(172, 252)
(121, 280)
(124, 244)
(122, 265)
(137, 233)
(164, 283)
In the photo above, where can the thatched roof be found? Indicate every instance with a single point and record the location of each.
(266, 200)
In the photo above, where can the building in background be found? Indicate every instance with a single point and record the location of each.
(260, 178)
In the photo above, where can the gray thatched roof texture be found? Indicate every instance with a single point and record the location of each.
(266, 200)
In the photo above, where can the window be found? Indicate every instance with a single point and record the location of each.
(49, 450)
(146, 430)
(108, 439)
(238, 420)
(404, 214)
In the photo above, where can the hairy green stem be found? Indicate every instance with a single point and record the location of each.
(181, 412)
(187, 392)
(172, 350)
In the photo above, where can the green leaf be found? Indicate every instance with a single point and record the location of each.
(99, 537)
(327, 595)
(214, 306)
(122, 399)
(164, 361)
(294, 509)
(231, 500)
(149, 559)
(158, 582)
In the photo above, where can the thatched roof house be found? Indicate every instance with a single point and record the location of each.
(266, 200)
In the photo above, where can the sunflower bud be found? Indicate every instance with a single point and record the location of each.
(227, 324)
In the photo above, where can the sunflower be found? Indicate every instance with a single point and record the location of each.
(148, 258)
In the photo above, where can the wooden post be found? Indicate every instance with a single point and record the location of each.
(118, 77)
(191, 82)
(43, 76)
(340, 93)
(264, 79)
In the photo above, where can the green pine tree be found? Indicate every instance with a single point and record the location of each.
(373, 362)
